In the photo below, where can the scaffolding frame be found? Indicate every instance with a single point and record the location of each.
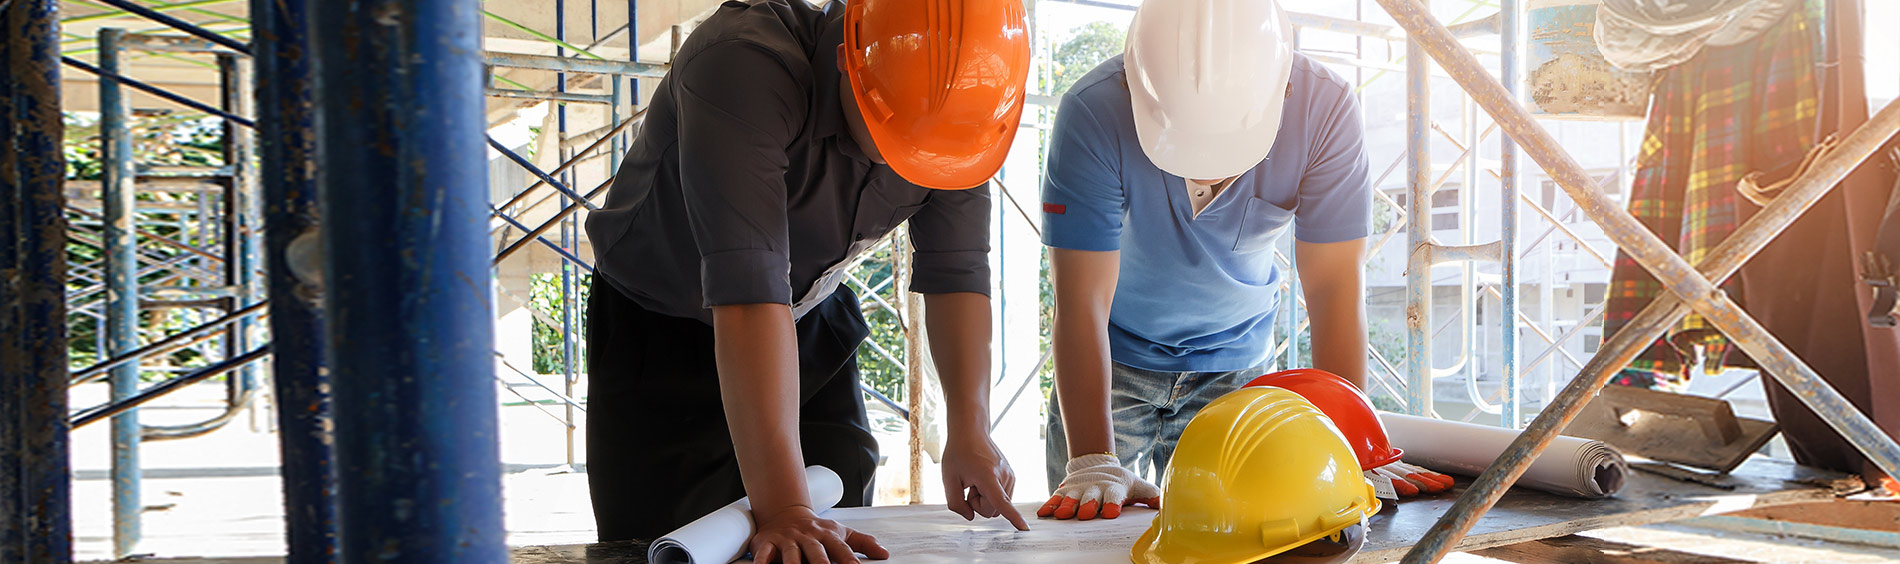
(34, 376)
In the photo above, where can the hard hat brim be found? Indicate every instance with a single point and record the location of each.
(1149, 548)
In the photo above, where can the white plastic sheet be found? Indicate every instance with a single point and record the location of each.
(721, 536)
(1571, 466)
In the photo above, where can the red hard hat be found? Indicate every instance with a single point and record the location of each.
(1345, 405)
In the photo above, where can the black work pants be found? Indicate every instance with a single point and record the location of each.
(659, 453)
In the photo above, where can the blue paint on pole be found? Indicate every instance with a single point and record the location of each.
(36, 487)
(1511, 72)
(286, 134)
(122, 288)
(1418, 270)
(241, 217)
(401, 175)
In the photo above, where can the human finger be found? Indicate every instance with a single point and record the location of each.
(865, 544)
(762, 552)
(813, 551)
(999, 500)
(839, 552)
(953, 496)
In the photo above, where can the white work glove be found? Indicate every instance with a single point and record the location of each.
(1399, 479)
(1098, 484)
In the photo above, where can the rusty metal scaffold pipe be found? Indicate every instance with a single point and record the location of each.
(35, 469)
(286, 143)
(1685, 282)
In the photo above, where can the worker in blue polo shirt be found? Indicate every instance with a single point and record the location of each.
(1173, 171)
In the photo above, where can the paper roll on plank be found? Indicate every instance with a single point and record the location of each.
(721, 536)
(1571, 466)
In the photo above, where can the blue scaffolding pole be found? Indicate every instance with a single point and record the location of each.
(35, 473)
(122, 288)
(1418, 266)
(286, 135)
(1511, 70)
(407, 281)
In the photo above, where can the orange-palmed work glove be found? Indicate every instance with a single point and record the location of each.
(1098, 485)
(1399, 479)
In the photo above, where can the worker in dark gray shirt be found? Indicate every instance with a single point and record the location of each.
(784, 142)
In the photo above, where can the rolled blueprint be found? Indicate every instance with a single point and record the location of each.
(721, 536)
(1571, 466)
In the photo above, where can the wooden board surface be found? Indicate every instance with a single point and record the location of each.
(1690, 430)
(1574, 549)
(930, 534)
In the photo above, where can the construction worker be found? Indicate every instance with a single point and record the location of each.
(1173, 171)
(785, 141)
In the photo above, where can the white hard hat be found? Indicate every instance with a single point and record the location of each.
(1207, 79)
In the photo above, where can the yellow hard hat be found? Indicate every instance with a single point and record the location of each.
(1258, 472)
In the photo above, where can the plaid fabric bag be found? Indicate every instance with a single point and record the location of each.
(1721, 115)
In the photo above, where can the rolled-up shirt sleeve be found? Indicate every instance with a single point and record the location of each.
(1082, 199)
(1336, 193)
(952, 236)
(739, 108)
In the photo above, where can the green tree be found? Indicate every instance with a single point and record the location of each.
(1091, 44)
(159, 138)
(886, 375)
(544, 295)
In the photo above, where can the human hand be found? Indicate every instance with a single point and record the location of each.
(977, 480)
(796, 535)
(1098, 485)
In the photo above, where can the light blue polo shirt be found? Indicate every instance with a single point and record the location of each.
(1197, 293)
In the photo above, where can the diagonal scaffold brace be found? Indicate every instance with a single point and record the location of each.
(1691, 288)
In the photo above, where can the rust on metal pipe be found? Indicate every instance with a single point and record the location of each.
(1688, 285)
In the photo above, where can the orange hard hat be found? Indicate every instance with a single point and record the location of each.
(940, 83)
(1345, 405)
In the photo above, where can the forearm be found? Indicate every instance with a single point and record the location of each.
(1082, 380)
(757, 352)
(1339, 336)
(958, 326)
(1084, 285)
(1332, 276)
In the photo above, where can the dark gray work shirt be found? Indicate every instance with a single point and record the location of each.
(744, 185)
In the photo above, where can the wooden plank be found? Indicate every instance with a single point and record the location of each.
(1526, 515)
(1689, 430)
(1844, 513)
(1575, 549)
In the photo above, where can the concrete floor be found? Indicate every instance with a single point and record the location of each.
(218, 496)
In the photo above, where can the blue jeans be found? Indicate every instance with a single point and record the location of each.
(1150, 409)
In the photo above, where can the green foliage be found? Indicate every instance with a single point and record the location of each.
(1091, 44)
(887, 330)
(544, 297)
(158, 139)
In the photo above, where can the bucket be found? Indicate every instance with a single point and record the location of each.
(1568, 77)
